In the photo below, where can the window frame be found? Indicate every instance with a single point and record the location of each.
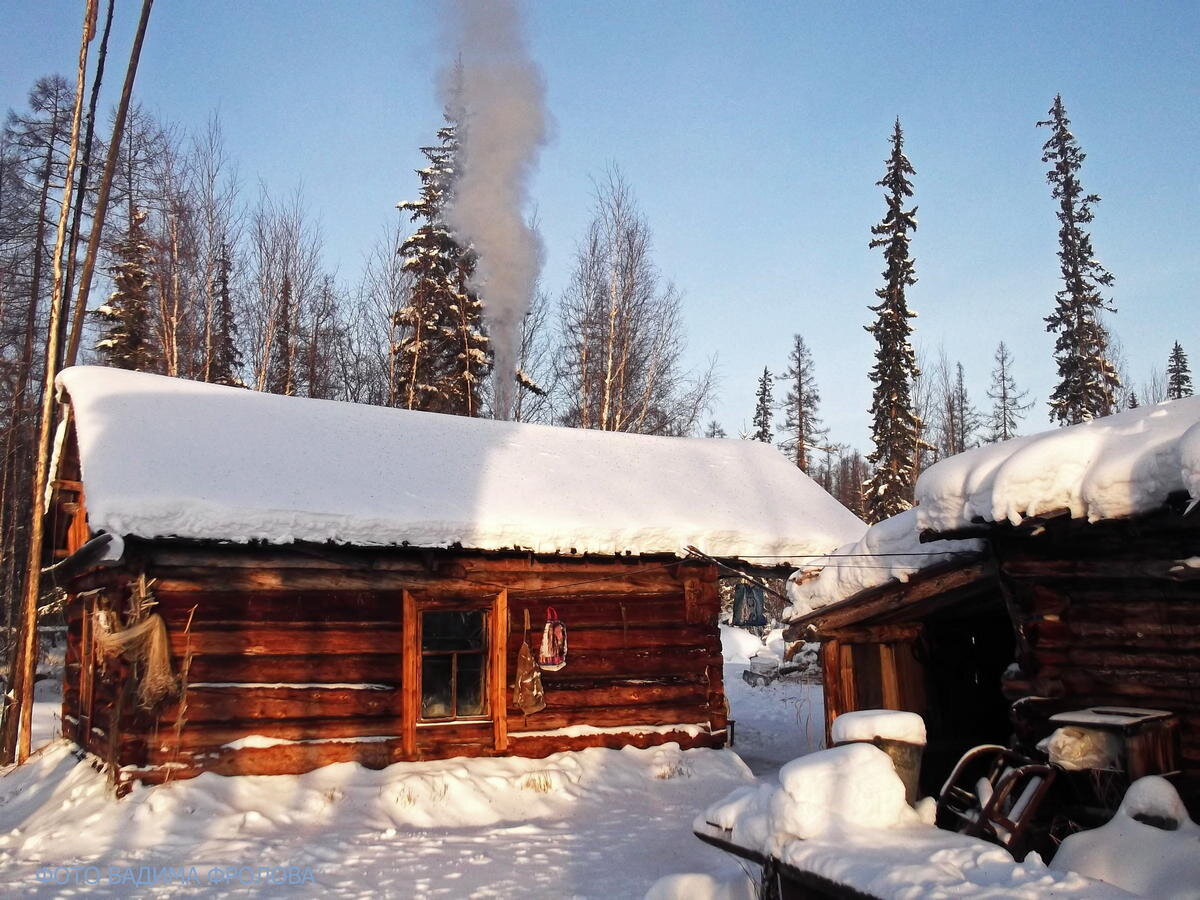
(495, 660)
(484, 653)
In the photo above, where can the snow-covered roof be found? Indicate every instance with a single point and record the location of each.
(1110, 468)
(165, 457)
(888, 551)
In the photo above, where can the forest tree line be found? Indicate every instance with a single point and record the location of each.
(210, 277)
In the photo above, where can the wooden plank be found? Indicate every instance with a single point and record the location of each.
(835, 704)
(870, 604)
(874, 634)
(498, 675)
(411, 678)
(889, 677)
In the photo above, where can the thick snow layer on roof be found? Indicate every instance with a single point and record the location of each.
(890, 550)
(168, 457)
(1110, 468)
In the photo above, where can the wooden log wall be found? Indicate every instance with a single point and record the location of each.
(1107, 617)
(307, 649)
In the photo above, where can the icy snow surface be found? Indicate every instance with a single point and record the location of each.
(890, 550)
(1148, 861)
(1109, 468)
(867, 724)
(595, 823)
(168, 457)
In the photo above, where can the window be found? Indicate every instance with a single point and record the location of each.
(453, 664)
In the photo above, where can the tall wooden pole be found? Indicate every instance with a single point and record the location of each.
(110, 165)
(84, 168)
(15, 737)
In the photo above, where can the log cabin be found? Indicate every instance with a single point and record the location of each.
(1071, 573)
(338, 582)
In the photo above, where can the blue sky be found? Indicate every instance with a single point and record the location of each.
(753, 134)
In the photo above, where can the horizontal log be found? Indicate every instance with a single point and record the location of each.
(1147, 659)
(210, 736)
(291, 759)
(252, 639)
(377, 668)
(541, 746)
(625, 695)
(213, 704)
(413, 561)
(607, 716)
(632, 663)
(1106, 568)
(215, 578)
(1147, 635)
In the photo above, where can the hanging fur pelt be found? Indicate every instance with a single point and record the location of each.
(144, 642)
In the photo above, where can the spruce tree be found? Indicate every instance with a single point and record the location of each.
(443, 354)
(895, 427)
(966, 417)
(714, 430)
(801, 425)
(1132, 402)
(762, 409)
(125, 318)
(1179, 375)
(1088, 383)
(225, 360)
(281, 374)
(1008, 403)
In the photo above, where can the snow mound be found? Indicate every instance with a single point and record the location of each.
(823, 794)
(738, 644)
(702, 886)
(1161, 862)
(890, 550)
(840, 814)
(374, 830)
(166, 457)
(868, 724)
(1118, 466)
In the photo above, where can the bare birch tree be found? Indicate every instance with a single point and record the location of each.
(621, 332)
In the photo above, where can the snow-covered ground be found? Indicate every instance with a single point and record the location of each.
(600, 823)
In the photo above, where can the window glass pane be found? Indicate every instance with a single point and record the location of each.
(452, 630)
(470, 684)
(436, 699)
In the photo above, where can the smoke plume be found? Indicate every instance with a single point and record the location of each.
(502, 97)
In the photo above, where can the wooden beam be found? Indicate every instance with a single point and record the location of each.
(410, 679)
(498, 677)
(873, 634)
(889, 598)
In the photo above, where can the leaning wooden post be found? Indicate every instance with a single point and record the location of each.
(110, 165)
(19, 701)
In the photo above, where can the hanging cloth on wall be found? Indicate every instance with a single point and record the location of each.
(552, 655)
(749, 605)
(528, 695)
(145, 642)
